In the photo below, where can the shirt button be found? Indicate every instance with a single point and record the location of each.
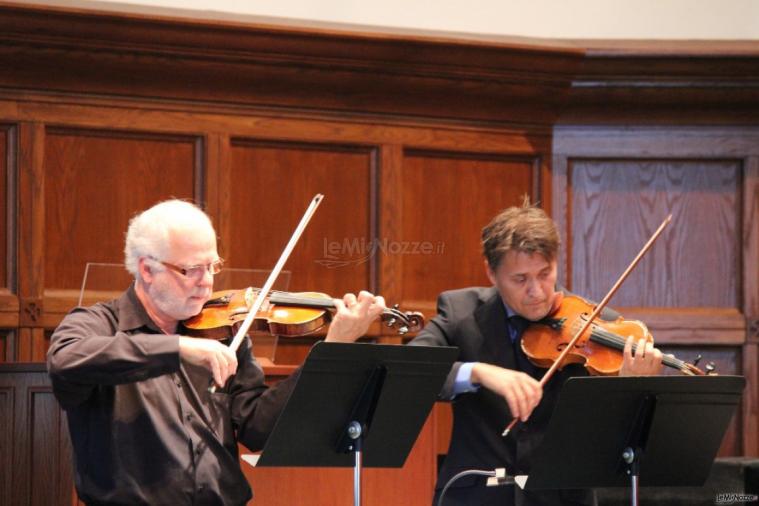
(189, 416)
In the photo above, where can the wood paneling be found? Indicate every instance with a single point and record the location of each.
(697, 287)
(416, 141)
(447, 199)
(617, 204)
(412, 484)
(7, 430)
(5, 200)
(271, 186)
(35, 456)
(285, 67)
(94, 183)
(650, 82)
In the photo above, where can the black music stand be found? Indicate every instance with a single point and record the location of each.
(368, 400)
(647, 431)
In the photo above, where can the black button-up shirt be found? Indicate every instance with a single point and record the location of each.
(144, 427)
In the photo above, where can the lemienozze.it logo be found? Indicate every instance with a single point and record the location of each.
(735, 498)
(355, 251)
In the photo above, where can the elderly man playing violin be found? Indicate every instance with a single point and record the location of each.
(146, 429)
(493, 381)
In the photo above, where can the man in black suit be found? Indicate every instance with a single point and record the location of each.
(492, 381)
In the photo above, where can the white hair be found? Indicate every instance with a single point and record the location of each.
(149, 232)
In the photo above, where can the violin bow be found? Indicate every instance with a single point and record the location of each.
(601, 305)
(242, 330)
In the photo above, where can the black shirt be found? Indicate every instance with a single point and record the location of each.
(144, 427)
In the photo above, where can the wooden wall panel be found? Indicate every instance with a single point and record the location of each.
(617, 204)
(95, 182)
(272, 184)
(696, 288)
(5, 174)
(40, 470)
(7, 430)
(8, 295)
(411, 138)
(447, 199)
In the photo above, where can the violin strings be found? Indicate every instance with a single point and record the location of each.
(604, 337)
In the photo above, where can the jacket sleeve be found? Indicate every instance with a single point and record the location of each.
(441, 331)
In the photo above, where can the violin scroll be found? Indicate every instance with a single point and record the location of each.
(410, 321)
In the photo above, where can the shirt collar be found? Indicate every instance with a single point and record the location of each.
(132, 314)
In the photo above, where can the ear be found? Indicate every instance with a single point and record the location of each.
(145, 271)
(489, 272)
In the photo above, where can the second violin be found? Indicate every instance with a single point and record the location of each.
(600, 347)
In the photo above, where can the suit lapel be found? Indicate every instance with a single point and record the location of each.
(491, 320)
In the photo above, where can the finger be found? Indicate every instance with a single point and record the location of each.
(627, 352)
(349, 299)
(511, 400)
(658, 356)
(640, 350)
(361, 308)
(340, 306)
(525, 401)
(363, 295)
(230, 358)
(215, 370)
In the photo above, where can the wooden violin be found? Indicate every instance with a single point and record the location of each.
(599, 348)
(282, 314)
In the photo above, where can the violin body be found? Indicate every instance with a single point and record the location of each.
(600, 347)
(226, 310)
(282, 314)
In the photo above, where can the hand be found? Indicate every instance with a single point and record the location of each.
(521, 391)
(645, 362)
(353, 316)
(220, 361)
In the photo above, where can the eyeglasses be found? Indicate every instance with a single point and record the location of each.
(194, 271)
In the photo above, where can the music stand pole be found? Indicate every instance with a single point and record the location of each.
(354, 432)
(358, 426)
(633, 469)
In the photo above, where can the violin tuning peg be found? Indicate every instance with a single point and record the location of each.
(396, 306)
(391, 322)
(403, 330)
(710, 368)
(697, 360)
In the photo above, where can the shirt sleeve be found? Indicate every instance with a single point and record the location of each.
(87, 350)
(463, 381)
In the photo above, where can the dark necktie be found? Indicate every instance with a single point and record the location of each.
(517, 326)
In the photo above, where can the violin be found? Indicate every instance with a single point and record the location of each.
(281, 314)
(599, 348)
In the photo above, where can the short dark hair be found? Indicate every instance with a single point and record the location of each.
(525, 228)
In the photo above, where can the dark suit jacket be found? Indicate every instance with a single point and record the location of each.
(475, 320)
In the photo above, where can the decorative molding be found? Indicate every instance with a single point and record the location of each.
(752, 330)
(285, 68)
(31, 312)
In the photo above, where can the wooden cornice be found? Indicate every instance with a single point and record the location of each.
(300, 70)
(284, 68)
(691, 82)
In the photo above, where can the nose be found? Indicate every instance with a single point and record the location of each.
(533, 288)
(207, 278)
